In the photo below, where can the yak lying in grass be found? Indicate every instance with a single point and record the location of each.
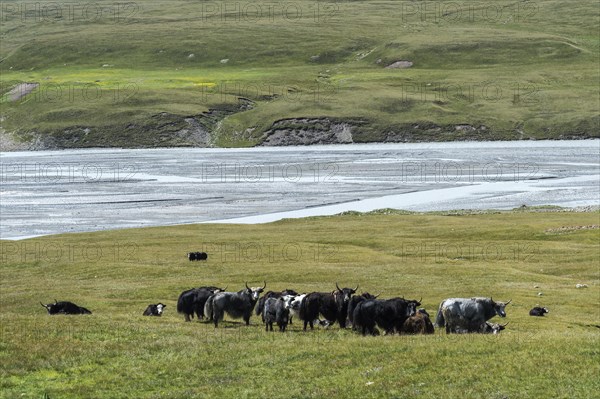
(419, 323)
(537, 311)
(156, 309)
(65, 307)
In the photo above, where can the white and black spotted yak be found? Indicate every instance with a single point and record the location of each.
(260, 306)
(155, 309)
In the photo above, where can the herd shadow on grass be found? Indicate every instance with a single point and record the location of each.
(237, 331)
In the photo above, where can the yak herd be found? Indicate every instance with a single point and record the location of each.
(365, 313)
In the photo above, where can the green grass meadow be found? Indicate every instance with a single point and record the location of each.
(118, 353)
(524, 69)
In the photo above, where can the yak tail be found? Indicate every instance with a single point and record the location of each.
(260, 306)
(208, 308)
(180, 304)
(439, 319)
(304, 311)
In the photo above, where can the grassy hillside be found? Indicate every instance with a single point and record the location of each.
(130, 73)
(117, 353)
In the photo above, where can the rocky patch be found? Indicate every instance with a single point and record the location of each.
(307, 131)
(568, 229)
(400, 64)
(21, 90)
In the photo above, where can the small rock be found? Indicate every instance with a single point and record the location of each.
(540, 294)
(315, 58)
(191, 56)
(224, 61)
(581, 286)
(400, 64)
(468, 128)
(536, 286)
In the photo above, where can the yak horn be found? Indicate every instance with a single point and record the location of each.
(421, 300)
(508, 302)
(376, 296)
(247, 285)
(504, 325)
(46, 306)
(337, 286)
(55, 301)
(264, 286)
(225, 288)
(356, 289)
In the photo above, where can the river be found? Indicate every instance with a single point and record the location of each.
(50, 192)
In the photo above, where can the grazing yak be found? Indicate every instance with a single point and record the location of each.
(537, 311)
(235, 304)
(192, 256)
(277, 310)
(354, 301)
(193, 301)
(260, 306)
(468, 314)
(155, 309)
(295, 304)
(65, 307)
(332, 305)
(388, 314)
(419, 323)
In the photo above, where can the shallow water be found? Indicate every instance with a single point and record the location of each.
(51, 192)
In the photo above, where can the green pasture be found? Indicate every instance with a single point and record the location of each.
(118, 353)
(523, 69)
